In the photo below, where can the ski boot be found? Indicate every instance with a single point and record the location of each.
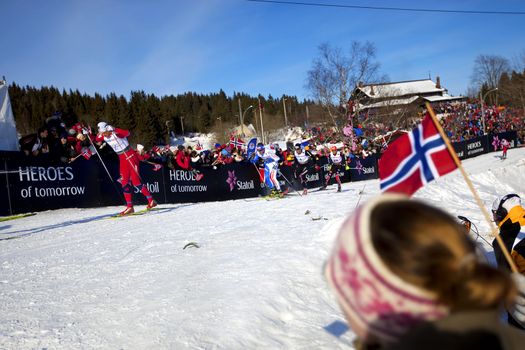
(152, 204)
(279, 194)
(305, 192)
(338, 188)
(274, 194)
(127, 211)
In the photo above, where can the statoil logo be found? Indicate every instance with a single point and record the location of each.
(234, 183)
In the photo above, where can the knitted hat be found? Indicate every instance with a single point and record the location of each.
(378, 303)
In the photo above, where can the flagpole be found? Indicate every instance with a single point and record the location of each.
(494, 229)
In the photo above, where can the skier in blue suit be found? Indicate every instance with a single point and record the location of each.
(271, 166)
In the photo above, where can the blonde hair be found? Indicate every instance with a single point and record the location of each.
(428, 248)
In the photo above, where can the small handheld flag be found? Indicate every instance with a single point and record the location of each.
(415, 159)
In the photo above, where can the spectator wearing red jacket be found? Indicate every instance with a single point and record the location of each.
(182, 159)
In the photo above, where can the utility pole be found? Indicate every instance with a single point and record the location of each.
(285, 117)
(307, 116)
(182, 124)
(261, 118)
(240, 116)
(168, 128)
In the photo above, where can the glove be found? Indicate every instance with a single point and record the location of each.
(109, 128)
(317, 167)
(84, 131)
(518, 311)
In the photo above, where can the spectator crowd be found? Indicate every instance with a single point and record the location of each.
(64, 139)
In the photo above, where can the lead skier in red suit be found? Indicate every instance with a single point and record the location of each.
(129, 164)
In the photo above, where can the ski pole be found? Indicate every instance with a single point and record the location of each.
(360, 194)
(289, 183)
(104, 165)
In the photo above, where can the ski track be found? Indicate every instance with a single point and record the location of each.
(74, 278)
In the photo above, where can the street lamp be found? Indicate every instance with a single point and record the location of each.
(242, 119)
(482, 98)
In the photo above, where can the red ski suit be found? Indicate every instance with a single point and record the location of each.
(129, 163)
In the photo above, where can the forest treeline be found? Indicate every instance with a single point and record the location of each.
(152, 118)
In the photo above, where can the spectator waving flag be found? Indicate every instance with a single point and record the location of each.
(236, 142)
(198, 147)
(251, 147)
(415, 159)
(86, 153)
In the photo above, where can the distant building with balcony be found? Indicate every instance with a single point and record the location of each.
(400, 95)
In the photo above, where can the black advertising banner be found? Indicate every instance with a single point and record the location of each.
(484, 144)
(154, 181)
(461, 149)
(226, 182)
(363, 169)
(494, 140)
(37, 184)
(107, 175)
(237, 180)
(476, 146)
(313, 177)
(4, 188)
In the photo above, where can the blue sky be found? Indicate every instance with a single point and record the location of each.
(174, 46)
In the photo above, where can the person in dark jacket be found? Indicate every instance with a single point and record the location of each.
(509, 215)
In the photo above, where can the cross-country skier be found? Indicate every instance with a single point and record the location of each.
(302, 160)
(505, 145)
(129, 164)
(271, 165)
(336, 161)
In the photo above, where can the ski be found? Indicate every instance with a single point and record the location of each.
(274, 196)
(14, 217)
(139, 212)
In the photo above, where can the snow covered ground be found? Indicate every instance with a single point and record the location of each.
(77, 279)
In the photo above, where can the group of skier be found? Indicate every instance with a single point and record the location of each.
(268, 159)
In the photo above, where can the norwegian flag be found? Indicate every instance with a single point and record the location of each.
(198, 147)
(236, 142)
(86, 153)
(415, 159)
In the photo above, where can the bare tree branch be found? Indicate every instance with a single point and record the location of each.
(335, 74)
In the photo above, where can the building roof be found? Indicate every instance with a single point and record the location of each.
(445, 97)
(393, 102)
(402, 88)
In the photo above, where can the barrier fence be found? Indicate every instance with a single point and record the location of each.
(30, 184)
